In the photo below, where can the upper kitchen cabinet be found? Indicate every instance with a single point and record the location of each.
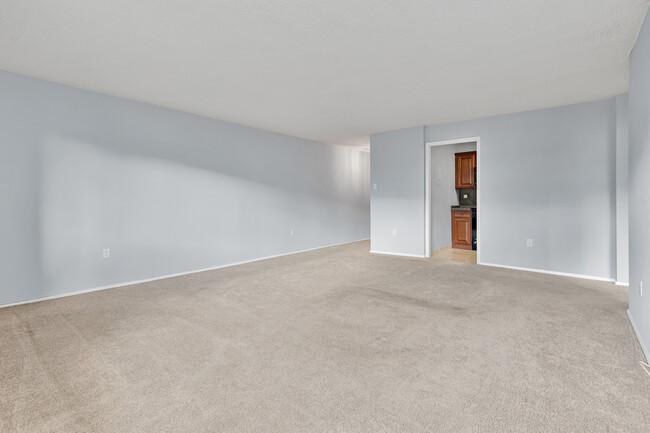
(466, 170)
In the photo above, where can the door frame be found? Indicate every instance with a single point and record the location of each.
(427, 191)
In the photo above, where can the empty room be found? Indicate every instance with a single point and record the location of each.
(324, 216)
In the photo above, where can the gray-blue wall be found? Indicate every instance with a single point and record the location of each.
(639, 184)
(547, 174)
(622, 174)
(397, 203)
(166, 191)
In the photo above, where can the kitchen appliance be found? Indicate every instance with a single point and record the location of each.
(474, 244)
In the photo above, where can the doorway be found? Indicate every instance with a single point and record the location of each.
(452, 202)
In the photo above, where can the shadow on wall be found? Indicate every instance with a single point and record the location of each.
(160, 216)
(165, 191)
(271, 159)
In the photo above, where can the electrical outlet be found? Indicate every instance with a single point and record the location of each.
(394, 232)
(374, 186)
(106, 253)
(641, 288)
(291, 232)
(529, 242)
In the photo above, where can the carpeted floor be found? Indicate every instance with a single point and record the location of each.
(334, 340)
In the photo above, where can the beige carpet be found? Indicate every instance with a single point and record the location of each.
(334, 340)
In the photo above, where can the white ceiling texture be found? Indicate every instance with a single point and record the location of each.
(329, 70)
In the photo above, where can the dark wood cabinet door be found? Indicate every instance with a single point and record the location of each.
(465, 165)
(461, 229)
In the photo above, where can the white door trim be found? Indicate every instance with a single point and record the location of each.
(427, 189)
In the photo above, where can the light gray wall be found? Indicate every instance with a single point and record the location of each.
(443, 190)
(397, 161)
(622, 234)
(547, 174)
(639, 184)
(166, 191)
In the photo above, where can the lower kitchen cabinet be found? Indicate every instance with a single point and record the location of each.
(461, 229)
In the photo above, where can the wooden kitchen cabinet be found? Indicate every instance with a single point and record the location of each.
(461, 229)
(466, 170)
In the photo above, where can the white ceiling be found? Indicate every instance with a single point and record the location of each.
(329, 70)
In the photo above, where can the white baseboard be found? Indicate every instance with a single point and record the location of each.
(646, 353)
(542, 271)
(148, 280)
(385, 253)
(619, 283)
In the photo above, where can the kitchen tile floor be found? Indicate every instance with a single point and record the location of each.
(454, 254)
